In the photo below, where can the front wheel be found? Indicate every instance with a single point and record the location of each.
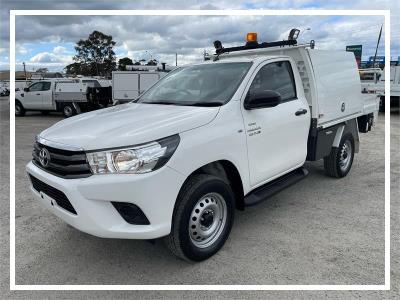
(338, 163)
(19, 109)
(203, 218)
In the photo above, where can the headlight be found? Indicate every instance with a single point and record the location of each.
(135, 159)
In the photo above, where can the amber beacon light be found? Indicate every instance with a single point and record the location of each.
(251, 37)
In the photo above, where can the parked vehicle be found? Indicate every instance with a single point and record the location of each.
(373, 81)
(203, 141)
(369, 79)
(129, 85)
(70, 96)
(4, 91)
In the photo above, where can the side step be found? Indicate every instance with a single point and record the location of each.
(267, 190)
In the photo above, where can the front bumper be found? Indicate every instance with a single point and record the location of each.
(154, 193)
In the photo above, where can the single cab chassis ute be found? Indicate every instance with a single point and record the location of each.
(203, 141)
(69, 96)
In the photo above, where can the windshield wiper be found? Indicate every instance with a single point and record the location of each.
(160, 102)
(206, 104)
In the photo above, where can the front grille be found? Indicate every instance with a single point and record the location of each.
(52, 192)
(63, 163)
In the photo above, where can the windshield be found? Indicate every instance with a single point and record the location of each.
(201, 85)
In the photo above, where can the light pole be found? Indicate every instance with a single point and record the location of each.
(149, 53)
(23, 63)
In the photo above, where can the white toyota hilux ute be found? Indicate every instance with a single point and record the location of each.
(205, 140)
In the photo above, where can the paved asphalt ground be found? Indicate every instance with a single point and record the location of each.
(319, 231)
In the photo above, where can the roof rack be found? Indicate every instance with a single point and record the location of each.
(252, 43)
(249, 46)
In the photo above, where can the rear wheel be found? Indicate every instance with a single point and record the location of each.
(203, 218)
(19, 109)
(340, 160)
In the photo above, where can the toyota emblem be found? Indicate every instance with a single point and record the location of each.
(44, 157)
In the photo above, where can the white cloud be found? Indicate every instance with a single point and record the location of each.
(59, 50)
(22, 50)
(161, 37)
(59, 56)
(45, 57)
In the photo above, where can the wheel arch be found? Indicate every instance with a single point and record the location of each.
(349, 127)
(227, 171)
(19, 101)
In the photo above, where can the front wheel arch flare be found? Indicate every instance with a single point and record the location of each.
(19, 102)
(226, 170)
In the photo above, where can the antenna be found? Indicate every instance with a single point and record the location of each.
(377, 45)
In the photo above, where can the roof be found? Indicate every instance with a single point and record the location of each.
(250, 58)
(253, 59)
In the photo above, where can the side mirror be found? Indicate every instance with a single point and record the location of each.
(26, 89)
(262, 99)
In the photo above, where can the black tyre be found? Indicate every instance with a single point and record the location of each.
(382, 104)
(338, 163)
(203, 218)
(19, 109)
(68, 110)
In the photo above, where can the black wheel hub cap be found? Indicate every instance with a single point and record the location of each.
(207, 219)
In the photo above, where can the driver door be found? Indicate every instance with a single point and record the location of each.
(47, 96)
(33, 98)
(276, 136)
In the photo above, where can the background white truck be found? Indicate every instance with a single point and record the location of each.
(373, 81)
(70, 96)
(204, 140)
(129, 85)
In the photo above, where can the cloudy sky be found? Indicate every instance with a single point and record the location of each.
(48, 41)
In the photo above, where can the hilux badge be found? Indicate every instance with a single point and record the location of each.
(44, 157)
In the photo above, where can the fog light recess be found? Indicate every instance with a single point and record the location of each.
(131, 213)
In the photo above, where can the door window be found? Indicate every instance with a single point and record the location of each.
(46, 86)
(36, 87)
(278, 77)
(40, 86)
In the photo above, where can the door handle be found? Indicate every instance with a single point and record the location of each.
(301, 112)
(38, 94)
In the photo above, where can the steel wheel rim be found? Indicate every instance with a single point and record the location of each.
(207, 220)
(17, 109)
(345, 156)
(67, 111)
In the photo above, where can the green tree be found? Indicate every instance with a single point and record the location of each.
(152, 62)
(123, 62)
(94, 56)
(74, 69)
